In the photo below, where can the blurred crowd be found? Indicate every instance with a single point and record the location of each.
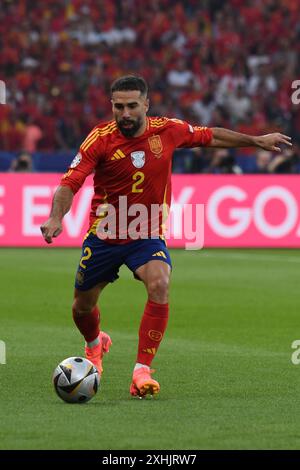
(211, 62)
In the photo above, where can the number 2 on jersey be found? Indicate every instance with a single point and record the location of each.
(138, 177)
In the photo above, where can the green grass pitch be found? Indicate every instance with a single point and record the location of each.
(225, 369)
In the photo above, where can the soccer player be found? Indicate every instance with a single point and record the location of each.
(131, 160)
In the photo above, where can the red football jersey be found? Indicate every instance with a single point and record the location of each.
(131, 171)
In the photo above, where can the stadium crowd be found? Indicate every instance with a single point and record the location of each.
(211, 62)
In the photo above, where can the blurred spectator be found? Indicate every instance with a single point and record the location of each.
(22, 164)
(12, 132)
(180, 76)
(203, 109)
(284, 163)
(229, 82)
(262, 82)
(238, 104)
(188, 161)
(32, 135)
(223, 162)
(262, 162)
(216, 63)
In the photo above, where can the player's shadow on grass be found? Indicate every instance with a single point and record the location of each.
(112, 402)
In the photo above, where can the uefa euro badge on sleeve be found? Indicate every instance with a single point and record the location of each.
(138, 158)
(77, 159)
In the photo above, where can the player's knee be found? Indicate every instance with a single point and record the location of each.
(80, 309)
(158, 289)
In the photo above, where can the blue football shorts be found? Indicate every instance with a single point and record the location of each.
(100, 261)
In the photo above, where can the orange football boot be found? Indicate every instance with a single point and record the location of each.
(95, 354)
(143, 384)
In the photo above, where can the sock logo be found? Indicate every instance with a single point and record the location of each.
(155, 335)
(150, 351)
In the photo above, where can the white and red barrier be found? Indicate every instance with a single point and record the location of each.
(239, 210)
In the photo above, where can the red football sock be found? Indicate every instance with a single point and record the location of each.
(152, 328)
(88, 325)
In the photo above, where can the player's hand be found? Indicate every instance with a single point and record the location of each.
(51, 229)
(271, 142)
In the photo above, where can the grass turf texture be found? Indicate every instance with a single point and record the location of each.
(227, 380)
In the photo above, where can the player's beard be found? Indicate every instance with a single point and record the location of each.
(129, 131)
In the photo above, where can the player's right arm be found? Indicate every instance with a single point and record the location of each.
(61, 204)
(83, 164)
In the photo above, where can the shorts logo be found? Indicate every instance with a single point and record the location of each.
(155, 335)
(160, 253)
(138, 158)
(80, 278)
(156, 146)
(76, 160)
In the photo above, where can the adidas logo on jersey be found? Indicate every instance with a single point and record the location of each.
(118, 155)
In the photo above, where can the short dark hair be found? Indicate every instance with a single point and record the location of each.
(130, 83)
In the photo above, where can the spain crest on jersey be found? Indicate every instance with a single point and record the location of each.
(155, 144)
(138, 158)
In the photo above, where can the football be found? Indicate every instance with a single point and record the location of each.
(76, 380)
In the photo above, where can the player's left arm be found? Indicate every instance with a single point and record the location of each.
(226, 138)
